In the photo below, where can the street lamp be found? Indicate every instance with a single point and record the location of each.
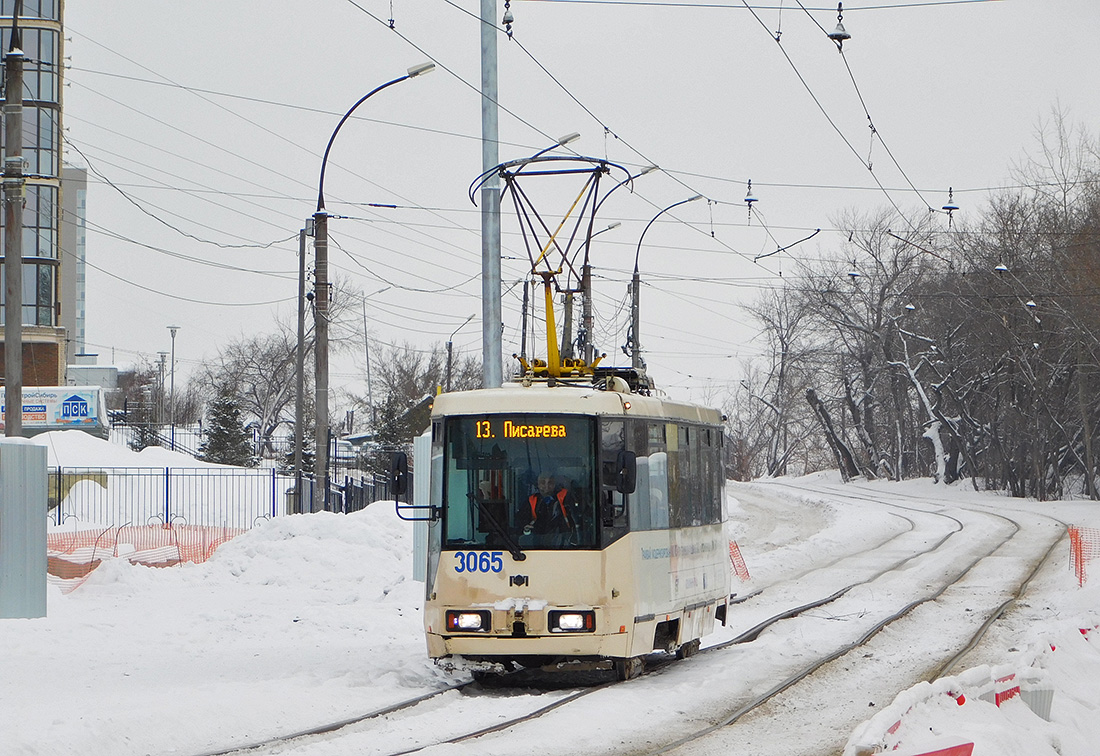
(160, 389)
(366, 355)
(586, 269)
(320, 302)
(464, 322)
(636, 285)
(172, 399)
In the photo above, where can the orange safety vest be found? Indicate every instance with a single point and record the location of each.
(561, 503)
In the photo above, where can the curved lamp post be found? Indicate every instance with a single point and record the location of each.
(172, 400)
(587, 350)
(449, 341)
(320, 302)
(635, 286)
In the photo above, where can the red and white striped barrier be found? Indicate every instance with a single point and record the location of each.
(939, 747)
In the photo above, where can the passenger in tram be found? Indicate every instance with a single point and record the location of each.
(551, 512)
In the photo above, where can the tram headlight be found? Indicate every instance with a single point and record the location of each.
(468, 621)
(572, 621)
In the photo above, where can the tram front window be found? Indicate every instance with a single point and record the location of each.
(527, 480)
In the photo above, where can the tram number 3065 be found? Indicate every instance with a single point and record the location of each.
(479, 561)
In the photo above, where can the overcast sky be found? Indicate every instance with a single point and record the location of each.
(211, 118)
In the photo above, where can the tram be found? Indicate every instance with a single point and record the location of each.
(573, 526)
(575, 519)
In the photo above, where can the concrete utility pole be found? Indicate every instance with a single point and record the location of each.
(13, 234)
(635, 322)
(299, 395)
(492, 370)
(320, 357)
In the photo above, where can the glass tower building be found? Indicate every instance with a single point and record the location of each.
(44, 340)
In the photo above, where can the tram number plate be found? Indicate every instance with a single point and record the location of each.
(479, 561)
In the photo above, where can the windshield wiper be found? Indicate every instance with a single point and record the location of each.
(500, 530)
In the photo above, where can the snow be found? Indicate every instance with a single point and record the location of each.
(73, 448)
(311, 619)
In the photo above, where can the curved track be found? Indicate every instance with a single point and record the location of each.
(926, 545)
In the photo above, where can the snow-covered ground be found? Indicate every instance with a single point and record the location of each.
(313, 618)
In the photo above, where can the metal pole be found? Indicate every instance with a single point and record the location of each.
(567, 326)
(172, 398)
(366, 355)
(447, 384)
(320, 356)
(635, 322)
(299, 397)
(160, 390)
(636, 360)
(320, 303)
(586, 312)
(13, 236)
(491, 319)
(449, 358)
(523, 328)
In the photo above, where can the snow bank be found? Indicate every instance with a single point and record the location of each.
(1050, 655)
(303, 619)
(73, 448)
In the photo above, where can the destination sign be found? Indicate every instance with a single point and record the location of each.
(510, 429)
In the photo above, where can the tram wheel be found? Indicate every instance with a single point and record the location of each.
(628, 669)
(691, 648)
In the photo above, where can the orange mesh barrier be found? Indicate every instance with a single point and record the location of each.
(71, 556)
(1084, 545)
(738, 562)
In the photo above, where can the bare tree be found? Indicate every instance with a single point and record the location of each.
(408, 379)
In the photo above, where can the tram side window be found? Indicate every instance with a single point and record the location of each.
(719, 473)
(705, 477)
(708, 458)
(613, 512)
(658, 476)
(641, 515)
(691, 440)
(676, 485)
(679, 475)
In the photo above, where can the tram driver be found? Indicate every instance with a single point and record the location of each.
(551, 513)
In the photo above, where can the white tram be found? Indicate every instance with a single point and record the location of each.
(636, 561)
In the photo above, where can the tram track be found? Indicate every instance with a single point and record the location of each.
(690, 743)
(385, 725)
(1007, 605)
(391, 717)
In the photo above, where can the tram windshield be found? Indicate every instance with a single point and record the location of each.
(519, 480)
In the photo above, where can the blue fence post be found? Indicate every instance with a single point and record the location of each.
(167, 497)
(273, 494)
(59, 520)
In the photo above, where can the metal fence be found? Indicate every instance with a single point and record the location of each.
(169, 495)
(349, 496)
(233, 498)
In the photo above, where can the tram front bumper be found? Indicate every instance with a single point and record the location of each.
(507, 647)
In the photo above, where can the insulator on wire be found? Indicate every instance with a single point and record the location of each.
(839, 34)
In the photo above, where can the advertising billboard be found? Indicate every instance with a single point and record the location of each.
(60, 408)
